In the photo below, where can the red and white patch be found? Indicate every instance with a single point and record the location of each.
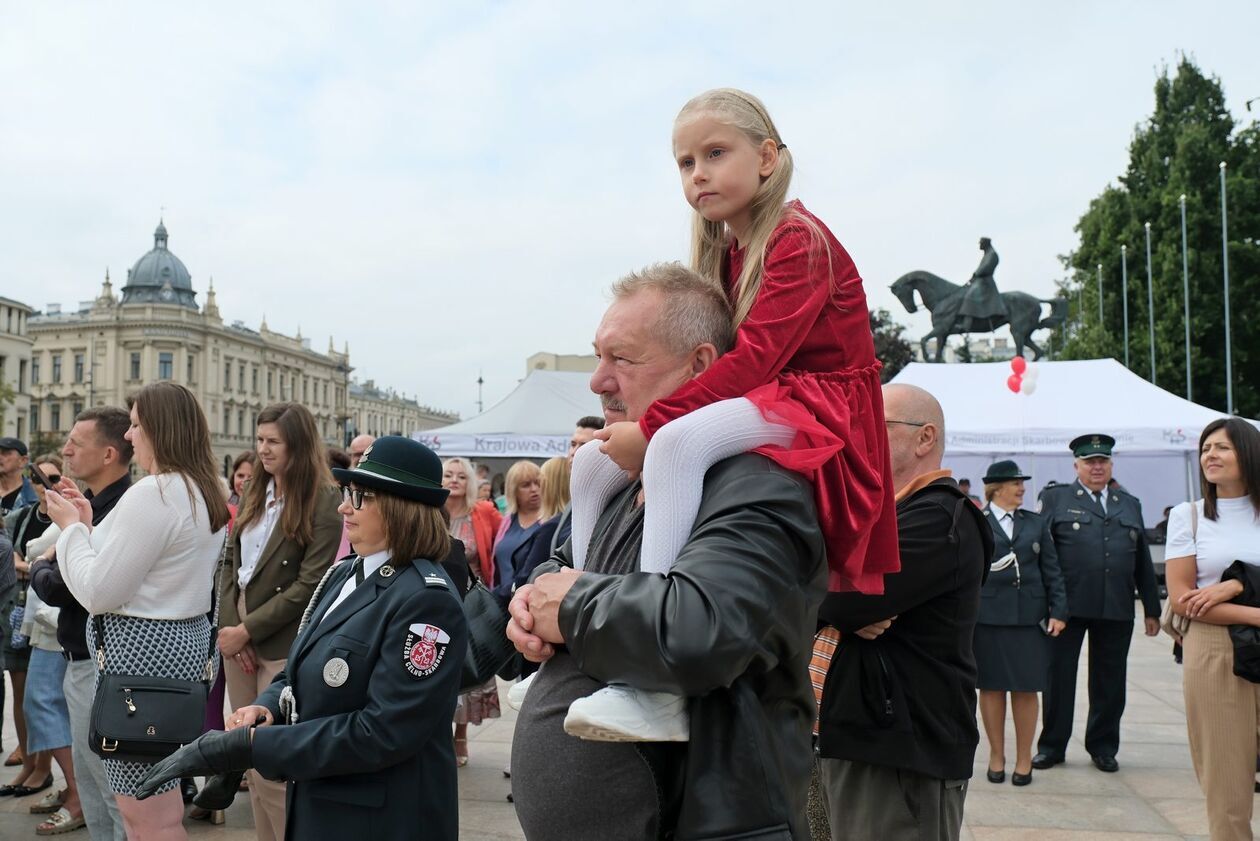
(424, 649)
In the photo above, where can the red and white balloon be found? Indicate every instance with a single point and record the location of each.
(1023, 378)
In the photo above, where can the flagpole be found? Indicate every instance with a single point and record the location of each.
(1150, 300)
(1124, 295)
(1185, 286)
(1229, 361)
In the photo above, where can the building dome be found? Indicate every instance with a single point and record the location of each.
(159, 277)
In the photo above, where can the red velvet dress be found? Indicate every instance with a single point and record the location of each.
(805, 357)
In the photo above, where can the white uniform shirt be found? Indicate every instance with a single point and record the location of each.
(1006, 519)
(255, 536)
(371, 564)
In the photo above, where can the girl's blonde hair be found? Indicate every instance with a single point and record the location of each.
(517, 475)
(709, 240)
(470, 479)
(555, 486)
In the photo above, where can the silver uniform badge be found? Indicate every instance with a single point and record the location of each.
(1076, 526)
(387, 571)
(336, 672)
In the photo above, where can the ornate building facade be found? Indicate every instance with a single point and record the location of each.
(15, 366)
(156, 331)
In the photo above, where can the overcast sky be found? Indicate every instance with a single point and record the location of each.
(451, 187)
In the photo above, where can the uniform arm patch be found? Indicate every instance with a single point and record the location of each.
(424, 649)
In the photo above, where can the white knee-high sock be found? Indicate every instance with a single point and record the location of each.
(596, 478)
(678, 456)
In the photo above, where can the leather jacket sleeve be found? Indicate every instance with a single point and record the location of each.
(754, 558)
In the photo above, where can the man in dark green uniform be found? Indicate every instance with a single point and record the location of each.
(1103, 553)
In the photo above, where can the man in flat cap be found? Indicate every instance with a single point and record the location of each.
(1103, 553)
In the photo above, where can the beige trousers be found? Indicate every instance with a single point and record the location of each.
(266, 796)
(1223, 719)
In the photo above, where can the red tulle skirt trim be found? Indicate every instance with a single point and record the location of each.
(842, 447)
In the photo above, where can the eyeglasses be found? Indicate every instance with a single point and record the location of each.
(54, 478)
(906, 423)
(355, 496)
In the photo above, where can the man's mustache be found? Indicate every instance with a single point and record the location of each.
(611, 404)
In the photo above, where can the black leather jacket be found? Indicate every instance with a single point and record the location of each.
(730, 627)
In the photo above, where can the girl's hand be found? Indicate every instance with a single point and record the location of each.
(625, 444)
(246, 716)
(1199, 601)
(1056, 627)
(232, 639)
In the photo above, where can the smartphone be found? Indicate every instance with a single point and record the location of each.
(38, 476)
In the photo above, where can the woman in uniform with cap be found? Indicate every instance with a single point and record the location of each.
(1022, 601)
(359, 721)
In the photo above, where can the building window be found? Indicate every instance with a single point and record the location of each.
(227, 377)
(325, 392)
(55, 410)
(21, 377)
(78, 408)
(34, 419)
(269, 391)
(135, 367)
(35, 370)
(192, 362)
(241, 379)
(253, 374)
(78, 367)
(240, 422)
(227, 421)
(305, 395)
(56, 371)
(166, 362)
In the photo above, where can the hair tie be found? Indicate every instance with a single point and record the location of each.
(782, 146)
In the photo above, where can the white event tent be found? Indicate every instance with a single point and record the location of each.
(1156, 432)
(535, 421)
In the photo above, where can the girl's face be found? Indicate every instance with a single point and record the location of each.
(273, 454)
(455, 479)
(1219, 459)
(241, 476)
(140, 443)
(721, 169)
(365, 527)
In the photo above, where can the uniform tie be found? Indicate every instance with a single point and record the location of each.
(358, 571)
(1098, 495)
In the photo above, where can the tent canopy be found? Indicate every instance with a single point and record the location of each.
(535, 420)
(1157, 433)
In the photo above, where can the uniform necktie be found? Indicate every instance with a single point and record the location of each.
(358, 571)
(1098, 495)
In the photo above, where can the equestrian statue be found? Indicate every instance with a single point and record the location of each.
(977, 307)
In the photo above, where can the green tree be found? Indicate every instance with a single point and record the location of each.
(891, 347)
(1176, 151)
(7, 396)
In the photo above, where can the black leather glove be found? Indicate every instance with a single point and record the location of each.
(219, 791)
(211, 753)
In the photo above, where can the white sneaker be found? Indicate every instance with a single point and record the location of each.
(516, 694)
(624, 714)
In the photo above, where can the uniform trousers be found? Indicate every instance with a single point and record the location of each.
(100, 809)
(266, 796)
(867, 802)
(1222, 717)
(1109, 641)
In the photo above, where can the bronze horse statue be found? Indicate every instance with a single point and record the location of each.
(942, 299)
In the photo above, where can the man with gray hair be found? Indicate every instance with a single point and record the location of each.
(728, 627)
(897, 715)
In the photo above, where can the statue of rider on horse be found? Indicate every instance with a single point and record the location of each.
(977, 307)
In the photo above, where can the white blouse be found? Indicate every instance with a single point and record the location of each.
(1233, 536)
(153, 556)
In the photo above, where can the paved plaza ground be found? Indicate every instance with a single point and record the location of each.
(1154, 796)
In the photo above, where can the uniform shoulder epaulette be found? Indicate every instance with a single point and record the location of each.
(431, 580)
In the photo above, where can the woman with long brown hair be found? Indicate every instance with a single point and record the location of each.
(286, 535)
(147, 571)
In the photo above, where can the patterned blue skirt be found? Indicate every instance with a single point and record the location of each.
(170, 648)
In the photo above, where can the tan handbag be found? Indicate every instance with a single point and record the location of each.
(1174, 624)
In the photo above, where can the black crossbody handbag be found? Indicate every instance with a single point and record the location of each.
(143, 718)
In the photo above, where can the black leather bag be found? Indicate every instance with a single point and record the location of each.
(144, 718)
(489, 650)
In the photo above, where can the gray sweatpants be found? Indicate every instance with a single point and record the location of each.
(100, 809)
(877, 803)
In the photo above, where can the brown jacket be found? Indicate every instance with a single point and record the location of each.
(283, 581)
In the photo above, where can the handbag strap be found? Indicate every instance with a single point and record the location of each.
(207, 674)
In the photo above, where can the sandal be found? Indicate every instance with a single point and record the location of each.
(52, 801)
(60, 822)
(461, 758)
(14, 759)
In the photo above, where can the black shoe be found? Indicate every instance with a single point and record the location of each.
(27, 791)
(219, 791)
(8, 790)
(996, 776)
(1106, 763)
(1043, 761)
(1019, 779)
(187, 789)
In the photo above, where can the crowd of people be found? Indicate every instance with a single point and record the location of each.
(750, 602)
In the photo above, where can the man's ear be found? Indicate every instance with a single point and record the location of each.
(928, 437)
(111, 455)
(702, 357)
